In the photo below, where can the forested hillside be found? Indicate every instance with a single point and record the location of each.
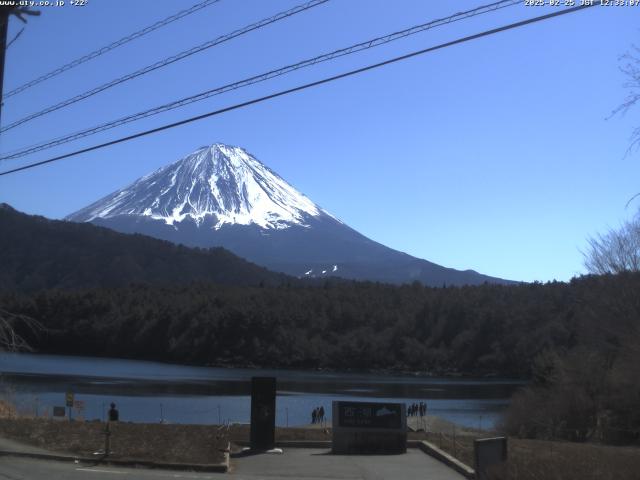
(38, 253)
(488, 329)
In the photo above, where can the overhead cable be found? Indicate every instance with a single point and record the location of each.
(304, 87)
(167, 61)
(111, 46)
(372, 43)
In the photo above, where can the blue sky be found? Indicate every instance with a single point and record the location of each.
(496, 155)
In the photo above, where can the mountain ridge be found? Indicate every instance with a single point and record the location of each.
(223, 196)
(37, 253)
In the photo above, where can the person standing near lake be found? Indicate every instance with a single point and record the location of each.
(114, 415)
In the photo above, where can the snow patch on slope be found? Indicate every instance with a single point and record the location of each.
(220, 181)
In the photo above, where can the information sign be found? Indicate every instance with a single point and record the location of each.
(368, 427)
(370, 415)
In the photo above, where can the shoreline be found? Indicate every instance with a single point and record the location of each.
(390, 372)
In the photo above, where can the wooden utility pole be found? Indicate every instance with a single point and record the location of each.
(5, 12)
(4, 28)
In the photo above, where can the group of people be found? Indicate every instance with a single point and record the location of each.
(416, 409)
(317, 415)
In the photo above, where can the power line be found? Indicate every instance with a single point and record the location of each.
(262, 77)
(15, 37)
(304, 87)
(111, 46)
(168, 61)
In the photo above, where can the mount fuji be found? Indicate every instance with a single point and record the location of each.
(221, 195)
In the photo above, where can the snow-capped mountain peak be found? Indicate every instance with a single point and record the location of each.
(222, 182)
(222, 196)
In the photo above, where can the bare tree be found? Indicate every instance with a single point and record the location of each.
(631, 69)
(615, 251)
(619, 250)
(10, 339)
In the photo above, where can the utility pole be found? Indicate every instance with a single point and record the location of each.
(5, 12)
(4, 28)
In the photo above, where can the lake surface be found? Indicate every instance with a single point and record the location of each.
(154, 392)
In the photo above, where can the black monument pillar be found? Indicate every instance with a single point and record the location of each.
(263, 413)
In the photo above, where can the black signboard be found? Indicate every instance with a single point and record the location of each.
(370, 415)
(263, 413)
(59, 411)
(489, 452)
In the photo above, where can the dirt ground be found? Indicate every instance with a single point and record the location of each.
(158, 442)
(201, 444)
(549, 460)
(535, 459)
(7, 410)
(311, 433)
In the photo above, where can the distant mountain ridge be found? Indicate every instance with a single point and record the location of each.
(223, 196)
(38, 253)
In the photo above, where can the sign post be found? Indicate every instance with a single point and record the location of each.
(366, 427)
(78, 406)
(69, 402)
(263, 413)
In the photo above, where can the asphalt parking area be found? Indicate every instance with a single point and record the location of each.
(312, 464)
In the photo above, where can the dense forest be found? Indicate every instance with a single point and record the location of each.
(488, 329)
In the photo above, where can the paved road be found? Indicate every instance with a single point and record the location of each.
(295, 463)
(14, 468)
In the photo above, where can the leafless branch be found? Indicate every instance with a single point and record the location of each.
(10, 339)
(631, 69)
(616, 251)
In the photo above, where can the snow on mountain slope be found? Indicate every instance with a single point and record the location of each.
(220, 181)
(221, 196)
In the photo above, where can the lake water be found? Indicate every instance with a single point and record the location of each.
(153, 392)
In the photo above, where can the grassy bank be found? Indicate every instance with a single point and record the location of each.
(154, 442)
(549, 460)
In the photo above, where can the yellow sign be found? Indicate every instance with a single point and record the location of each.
(69, 397)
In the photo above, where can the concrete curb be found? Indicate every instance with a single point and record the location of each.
(197, 467)
(444, 457)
